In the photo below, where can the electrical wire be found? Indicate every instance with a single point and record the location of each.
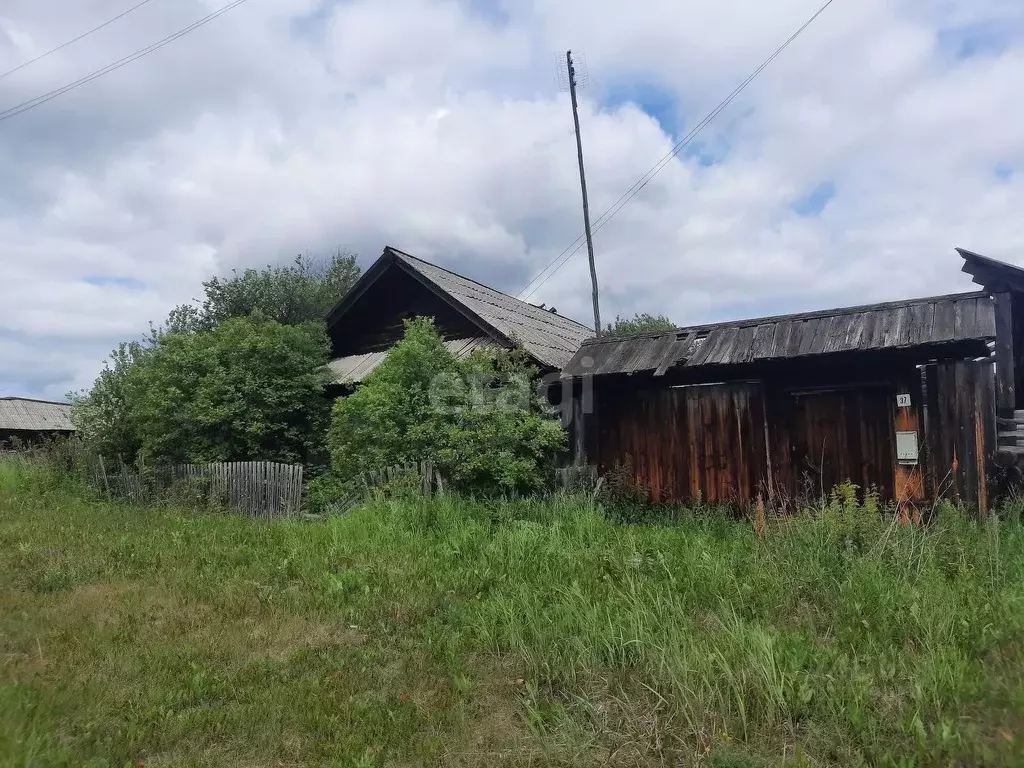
(25, 106)
(74, 39)
(570, 250)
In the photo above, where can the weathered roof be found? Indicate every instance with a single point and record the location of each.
(353, 369)
(551, 339)
(21, 413)
(897, 324)
(994, 275)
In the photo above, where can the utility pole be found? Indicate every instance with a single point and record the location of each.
(571, 71)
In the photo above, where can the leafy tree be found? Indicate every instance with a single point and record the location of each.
(250, 389)
(641, 322)
(304, 291)
(475, 419)
(294, 295)
(104, 415)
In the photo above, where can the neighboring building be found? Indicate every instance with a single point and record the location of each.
(369, 320)
(30, 421)
(898, 396)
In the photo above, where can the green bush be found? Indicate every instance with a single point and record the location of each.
(263, 402)
(475, 419)
(248, 389)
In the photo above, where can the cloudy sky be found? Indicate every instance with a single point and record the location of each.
(890, 132)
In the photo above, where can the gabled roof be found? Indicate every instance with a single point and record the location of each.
(551, 339)
(21, 413)
(967, 317)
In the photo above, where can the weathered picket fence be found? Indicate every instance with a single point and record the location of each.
(252, 488)
(421, 474)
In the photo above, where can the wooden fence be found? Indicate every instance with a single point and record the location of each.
(252, 488)
(421, 475)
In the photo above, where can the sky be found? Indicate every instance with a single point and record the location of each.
(890, 132)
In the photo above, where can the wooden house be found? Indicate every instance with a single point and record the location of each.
(469, 315)
(899, 397)
(31, 421)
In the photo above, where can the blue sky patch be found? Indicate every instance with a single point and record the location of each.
(130, 283)
(1004, 171)
(492, 11)
(656, 100)
(974, 40)
(707, 153)
(814, 202)
(312, 24)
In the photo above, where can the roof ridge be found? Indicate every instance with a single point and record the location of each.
(404, 255)
(809, 315)
(35, 400)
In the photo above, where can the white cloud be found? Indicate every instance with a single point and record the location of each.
(435, 126)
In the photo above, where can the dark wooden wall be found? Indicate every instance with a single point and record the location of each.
(961, 430)
(823, 438)
(376, 320)
(31, 437)
(686, 442)
(790, 437)
(791, 441)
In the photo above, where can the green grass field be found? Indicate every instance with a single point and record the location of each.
(416, 632)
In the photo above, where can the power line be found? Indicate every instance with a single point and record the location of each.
(25, 106)
(561, 259)
(75, 39)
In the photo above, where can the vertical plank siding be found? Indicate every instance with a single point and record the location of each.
(961, 429)
(736, 441)
(689, 442)
(823, 438)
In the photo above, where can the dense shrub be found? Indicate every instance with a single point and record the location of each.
(267, 401)
(249, 389)
(476, 419)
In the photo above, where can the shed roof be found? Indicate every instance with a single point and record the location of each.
(21, 413)
(898, 324)
(550, 338)
(352, 369)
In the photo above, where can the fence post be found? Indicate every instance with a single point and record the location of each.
(103, 471)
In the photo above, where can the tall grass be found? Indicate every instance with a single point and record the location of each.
(516, 633)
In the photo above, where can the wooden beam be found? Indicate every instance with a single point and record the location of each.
(1006, 398)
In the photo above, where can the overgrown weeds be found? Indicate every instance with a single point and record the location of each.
(456, 632)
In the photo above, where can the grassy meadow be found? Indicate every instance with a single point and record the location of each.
(448, 632)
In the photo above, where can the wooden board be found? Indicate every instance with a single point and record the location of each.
(961, 430)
